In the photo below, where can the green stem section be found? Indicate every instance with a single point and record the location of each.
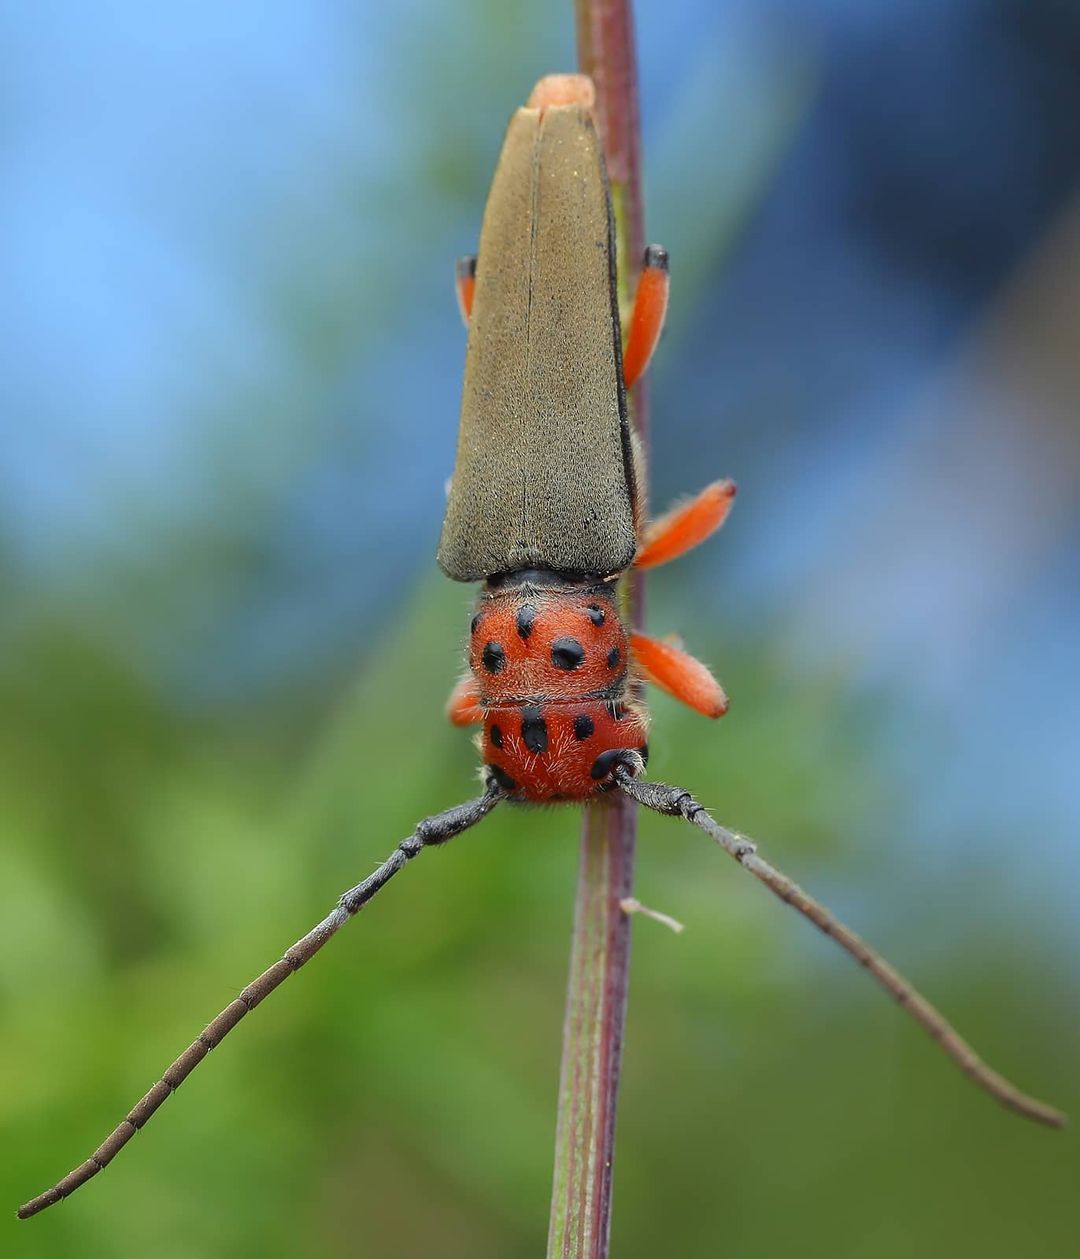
(593, 1035)
(600, 950)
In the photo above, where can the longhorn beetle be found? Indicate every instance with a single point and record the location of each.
(546, 510)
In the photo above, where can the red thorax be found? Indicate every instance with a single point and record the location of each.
(550, 659)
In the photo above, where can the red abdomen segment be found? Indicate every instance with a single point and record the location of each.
(550, 663)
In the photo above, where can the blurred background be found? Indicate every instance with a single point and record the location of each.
(231, 363)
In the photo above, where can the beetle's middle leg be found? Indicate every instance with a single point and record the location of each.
(685, 525)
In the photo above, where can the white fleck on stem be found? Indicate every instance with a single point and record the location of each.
(631, 905)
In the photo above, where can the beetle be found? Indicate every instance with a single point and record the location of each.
(546, 505)
(546, 509)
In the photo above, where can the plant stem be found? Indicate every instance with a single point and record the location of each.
(600, 949)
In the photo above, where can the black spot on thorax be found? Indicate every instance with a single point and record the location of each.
(525, 619)
(494, 658)
(567, 653)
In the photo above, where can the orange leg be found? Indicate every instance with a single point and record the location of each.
(679, 674)
(686, 525)
(463, 706)
(465, 281)
(647, 321)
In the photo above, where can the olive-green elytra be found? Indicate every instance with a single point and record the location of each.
(544, 474)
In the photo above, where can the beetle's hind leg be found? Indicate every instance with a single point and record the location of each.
(465, 283)
(647, 320)
(685, 525)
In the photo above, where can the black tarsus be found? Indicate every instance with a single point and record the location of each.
(656, 256)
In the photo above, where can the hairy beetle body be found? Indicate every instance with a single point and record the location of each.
(545, 505)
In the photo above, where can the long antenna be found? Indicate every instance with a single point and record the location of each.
(675, 802)
(433, 830)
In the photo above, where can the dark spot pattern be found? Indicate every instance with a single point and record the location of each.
(474, 624)
(496, 735)
(567, 653)
(494, 658)
(534, 731)
(583, 727)
(502, 778)
(596, 614)
(613, 657)
(526, 619)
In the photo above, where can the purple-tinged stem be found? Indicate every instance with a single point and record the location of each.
(600, 950)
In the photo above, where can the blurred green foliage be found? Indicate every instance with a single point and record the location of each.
(397, 1097)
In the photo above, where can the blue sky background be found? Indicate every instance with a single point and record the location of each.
(227, 241)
